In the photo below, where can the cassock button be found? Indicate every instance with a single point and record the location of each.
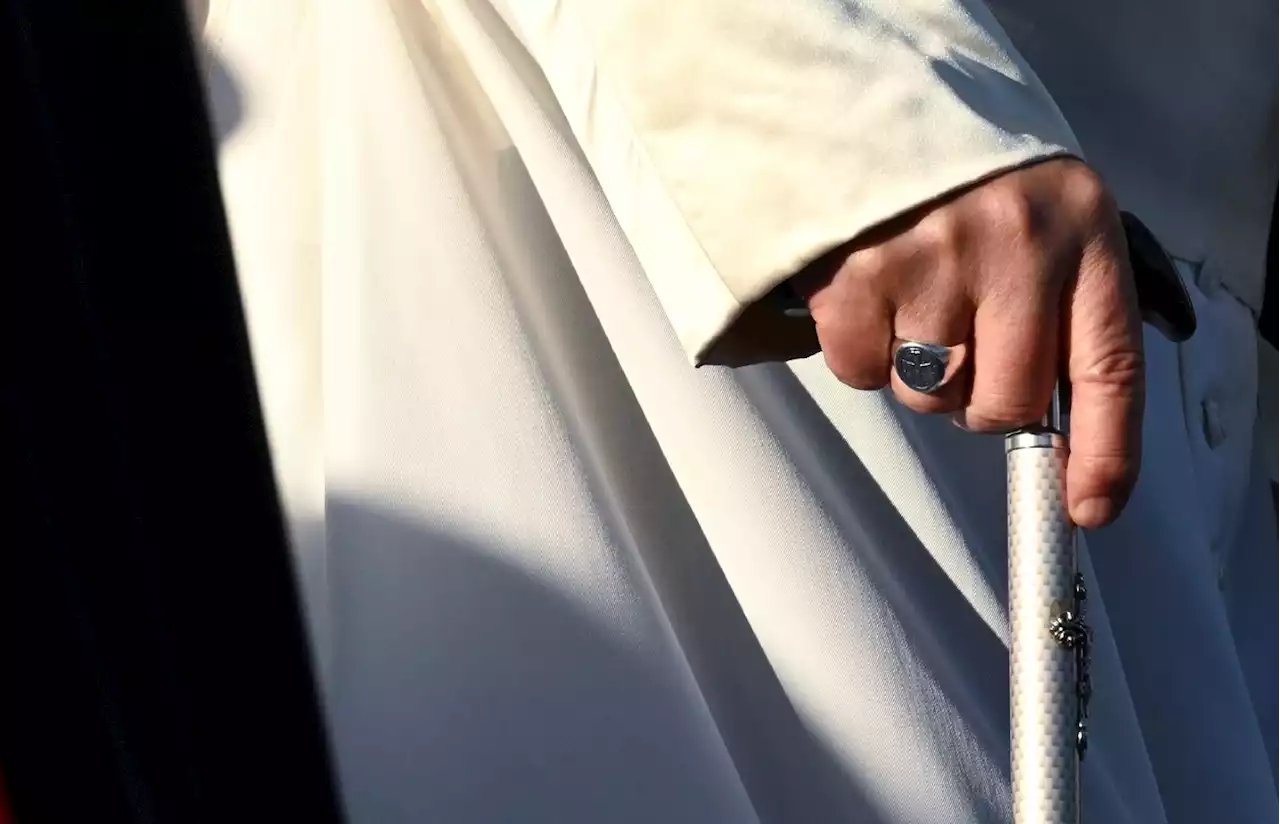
(1215, 431)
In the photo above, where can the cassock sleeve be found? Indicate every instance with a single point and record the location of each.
(737, 141)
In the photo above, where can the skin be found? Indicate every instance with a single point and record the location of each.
(1023, 272)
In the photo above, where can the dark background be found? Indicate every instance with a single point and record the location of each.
(153, 665)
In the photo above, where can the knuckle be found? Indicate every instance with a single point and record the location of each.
(941, 229)
(1001, 413)
(1121, 369)
(1088, 192)
(869, 260)
(1010, 209)
(856, 371)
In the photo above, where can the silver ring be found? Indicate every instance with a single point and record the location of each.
(922, 366)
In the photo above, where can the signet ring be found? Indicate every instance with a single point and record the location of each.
(922, 367)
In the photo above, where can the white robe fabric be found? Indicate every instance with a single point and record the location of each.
(554, 573)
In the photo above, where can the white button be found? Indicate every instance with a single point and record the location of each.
(1215, 432)
(1207, 278)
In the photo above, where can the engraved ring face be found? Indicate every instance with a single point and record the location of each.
(922, 366)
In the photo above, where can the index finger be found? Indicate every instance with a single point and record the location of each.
(1104, 362)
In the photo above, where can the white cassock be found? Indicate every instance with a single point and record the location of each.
(554, 573)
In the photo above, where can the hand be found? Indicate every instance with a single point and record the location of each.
(1027, 274)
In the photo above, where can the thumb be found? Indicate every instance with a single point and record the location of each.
(1105, 366)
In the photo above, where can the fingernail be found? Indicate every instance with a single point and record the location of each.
(1093, 512)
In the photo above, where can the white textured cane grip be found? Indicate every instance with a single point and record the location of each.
(1043, 684)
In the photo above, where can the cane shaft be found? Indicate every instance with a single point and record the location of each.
(1047, 672)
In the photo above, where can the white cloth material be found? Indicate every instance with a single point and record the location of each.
(554, 573)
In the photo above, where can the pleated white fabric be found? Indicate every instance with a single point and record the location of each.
(553, 573)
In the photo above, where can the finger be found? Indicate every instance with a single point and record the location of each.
(853, 319)
(944, 319)
(1015, 358)
(1105, 365)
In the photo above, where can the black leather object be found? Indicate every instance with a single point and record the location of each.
(1267, 316)
(1162, 296)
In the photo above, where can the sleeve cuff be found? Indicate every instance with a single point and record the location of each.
(738, 141)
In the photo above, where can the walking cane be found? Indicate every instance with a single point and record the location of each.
(1049, 683)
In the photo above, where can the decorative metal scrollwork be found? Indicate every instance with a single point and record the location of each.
(1070, 631)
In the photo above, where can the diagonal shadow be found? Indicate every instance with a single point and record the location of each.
(966, 661)
(484, 682)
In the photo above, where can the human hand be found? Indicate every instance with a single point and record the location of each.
(1027, 276)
